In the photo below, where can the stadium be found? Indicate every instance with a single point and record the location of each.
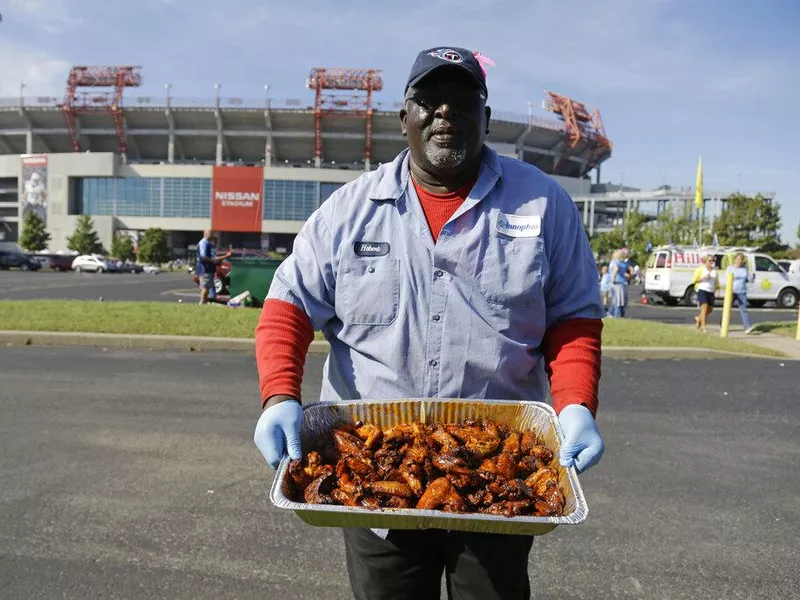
(183, 165)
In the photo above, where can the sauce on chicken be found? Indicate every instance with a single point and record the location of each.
(476, 466)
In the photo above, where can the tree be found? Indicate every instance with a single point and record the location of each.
(798, 235)
(153, 248)
(675, 226)
(34, 236)
(632, 234)
(122, 247)
(84, 239)
(750, 221)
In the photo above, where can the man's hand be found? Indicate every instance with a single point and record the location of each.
(582, 446)
(278, 430)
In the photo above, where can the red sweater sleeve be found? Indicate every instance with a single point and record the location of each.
(572, 359)
(283, 335)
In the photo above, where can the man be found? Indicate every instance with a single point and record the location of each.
(449, 273)
(207, 262)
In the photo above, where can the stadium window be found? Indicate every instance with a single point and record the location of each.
(326, 189)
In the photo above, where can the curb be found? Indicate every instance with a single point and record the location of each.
(199, 343)
(679, 353)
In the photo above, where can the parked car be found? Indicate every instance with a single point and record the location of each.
(61, 262)
(57, 262)
(93, 263)
(152, 269)
(790, 266)
(11, 258)
(128, 266)
(42, 259)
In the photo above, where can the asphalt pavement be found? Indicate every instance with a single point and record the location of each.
(134, 287)
(132, 474)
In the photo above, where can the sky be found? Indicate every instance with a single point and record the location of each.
(673, 79)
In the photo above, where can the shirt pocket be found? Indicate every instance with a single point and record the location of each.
(370, 290)
(512, 271)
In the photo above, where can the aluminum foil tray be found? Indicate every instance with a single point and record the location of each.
(321, 418)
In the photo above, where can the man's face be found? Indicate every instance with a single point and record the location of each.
(445, 119)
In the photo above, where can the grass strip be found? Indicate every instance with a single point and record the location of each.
(780, 327)
(161, 318)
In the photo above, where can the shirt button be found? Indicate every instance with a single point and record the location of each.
(436, 317)
(434, 362)
(370, 269)
(438, 273)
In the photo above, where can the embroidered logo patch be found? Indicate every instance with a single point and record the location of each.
(519, 225)
(371, 248)
(448, 55)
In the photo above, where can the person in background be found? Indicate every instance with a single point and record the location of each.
(605, 285)
(740, 280)
(620, 276)
(207, 262)
(706, 283)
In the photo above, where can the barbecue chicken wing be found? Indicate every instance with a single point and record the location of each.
(477, 465)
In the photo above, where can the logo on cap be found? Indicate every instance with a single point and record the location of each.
(448, 55)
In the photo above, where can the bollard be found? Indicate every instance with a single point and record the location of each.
(798, 325)
(727, 305)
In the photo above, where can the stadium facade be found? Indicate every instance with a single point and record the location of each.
(252, 170)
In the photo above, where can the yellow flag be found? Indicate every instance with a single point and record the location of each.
(698, 195)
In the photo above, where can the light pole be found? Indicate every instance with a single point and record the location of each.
(167, 86)
(22, 87)
(266, 93)
(216, 94)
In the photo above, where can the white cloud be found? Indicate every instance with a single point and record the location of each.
(43, 74)
(616, 46)
(52, 16)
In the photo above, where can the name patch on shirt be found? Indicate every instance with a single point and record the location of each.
(371, 248)
(519, 225)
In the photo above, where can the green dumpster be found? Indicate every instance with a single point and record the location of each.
(252, 275)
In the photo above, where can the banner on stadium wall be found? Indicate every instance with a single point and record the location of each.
(236, 203)
(33, 191)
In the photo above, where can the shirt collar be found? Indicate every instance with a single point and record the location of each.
(394, 179)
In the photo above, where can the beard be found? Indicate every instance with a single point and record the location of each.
(445, 157)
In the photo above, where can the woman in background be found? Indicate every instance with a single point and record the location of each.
(706, 283)
(620, 274)
(740, 280)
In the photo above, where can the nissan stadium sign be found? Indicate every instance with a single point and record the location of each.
(236, 203)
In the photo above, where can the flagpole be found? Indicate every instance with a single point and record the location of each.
(700, 216)
(699, 201)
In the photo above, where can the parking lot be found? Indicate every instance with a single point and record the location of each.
(139, 287)
(171, 287)
(132, 474)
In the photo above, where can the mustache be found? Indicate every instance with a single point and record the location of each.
(447, 128)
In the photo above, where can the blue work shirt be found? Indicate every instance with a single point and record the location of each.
(739, 279)
(460, 318)
(205, 250)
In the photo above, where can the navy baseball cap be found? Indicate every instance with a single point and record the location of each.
(446, 56)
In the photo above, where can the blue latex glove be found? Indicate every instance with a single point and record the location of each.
(277, 430)
(582, 445)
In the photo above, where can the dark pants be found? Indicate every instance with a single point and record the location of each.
(409, 564)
